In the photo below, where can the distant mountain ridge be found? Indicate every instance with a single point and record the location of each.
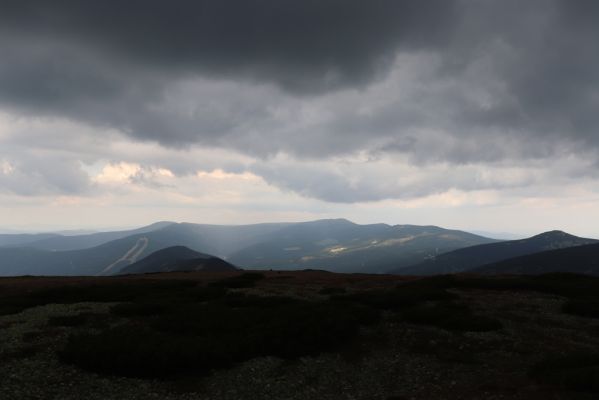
(21, 239)
(336, 245)
(582, 259)
(340, 245)
(469, 258)
(177, 258)
(58, 242)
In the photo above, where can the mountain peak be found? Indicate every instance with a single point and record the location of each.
(177, 258)
(554, 234)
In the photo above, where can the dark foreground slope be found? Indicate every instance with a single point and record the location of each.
(469, 258)
(177, 258)
(299, 335)
(580, 260)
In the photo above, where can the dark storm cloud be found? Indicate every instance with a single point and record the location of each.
(438, 81)
(302, 45)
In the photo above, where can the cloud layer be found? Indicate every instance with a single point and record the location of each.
(338, 100)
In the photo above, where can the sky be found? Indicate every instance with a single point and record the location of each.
(468, 114)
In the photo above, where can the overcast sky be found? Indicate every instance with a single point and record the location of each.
(470, 114)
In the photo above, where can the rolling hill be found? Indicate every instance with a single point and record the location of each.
(343, 246)
(469, 258)
(580, 260)
(177, 258)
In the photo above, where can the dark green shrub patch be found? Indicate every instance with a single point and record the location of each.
(406, 295)
(583, 308)
(202, 336)
(69, 320)
(101, 292)
(577, 371)
(137, 351)
(21, 353)
(450, 316)
(16, 304)
(332, 290)
(245, 280)
(139, 309)
(562, 284)
(244, 300)
(206, 293)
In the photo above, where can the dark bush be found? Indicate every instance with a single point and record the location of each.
(450, 316)
(562, 284)
(332, 290)
(203, 336)
(68, 320)
(577, 371)
(137, 351)
(402, 297)
(15, 304)
(139, 309)
(209, 293)
(243, 300)
(245, 280)
(583, 308)
(21, 353)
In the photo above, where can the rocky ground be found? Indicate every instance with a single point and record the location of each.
(393, 359)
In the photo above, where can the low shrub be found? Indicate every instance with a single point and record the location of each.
(576, 371)
(245, 300)
(203, 336)
(574, 286)
(100, 292)
(402, 297)
(68, 320)
(583, 308)
(332, 290)
(137, 351)
(450, 316)
(245, 280)
(138, 309)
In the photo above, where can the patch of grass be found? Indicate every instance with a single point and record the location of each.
(576, 371)
(450, 316)
(245, 280)
(583, 308)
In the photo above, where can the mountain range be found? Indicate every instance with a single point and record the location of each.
(579, 260)
(336, 245)
(470, 258)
